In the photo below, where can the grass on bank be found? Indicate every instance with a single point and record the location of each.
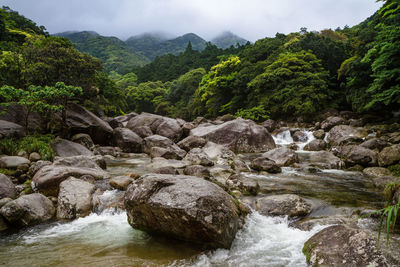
(34, 143)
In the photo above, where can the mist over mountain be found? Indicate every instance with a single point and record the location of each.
(227, 39)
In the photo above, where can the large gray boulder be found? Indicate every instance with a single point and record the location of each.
(7, 188)
(238, 135)
(341, 245)
(160, 146)
(281, 205)
(9, 129)
(389, 155)
(80, 120)
(192, 142)
(342, 134)
(12, 162)
(374, 144)
(172, 152)
(48, 178)
(358, 155)
(196, 156)
(163, 126)
(282, 156)
(183, 207)
(65, 148)
(315, 145)
(332, 121)
(28, 210)
(84, 140)
(127, 140)
(74, 198)
(377, 172)
(265, 164)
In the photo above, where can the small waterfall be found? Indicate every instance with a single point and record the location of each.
(310, 137)
(283, 138)
(262, 241)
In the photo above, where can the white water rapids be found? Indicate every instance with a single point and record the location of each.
(284, 138)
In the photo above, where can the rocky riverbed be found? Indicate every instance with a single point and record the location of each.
(227, 192)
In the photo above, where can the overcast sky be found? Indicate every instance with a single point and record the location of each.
(251, 19)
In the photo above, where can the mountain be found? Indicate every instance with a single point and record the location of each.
(227, 39)
(152, 45)
(115, 54)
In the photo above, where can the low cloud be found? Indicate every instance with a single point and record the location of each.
(251, 19)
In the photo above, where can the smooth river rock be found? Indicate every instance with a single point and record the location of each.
(7, 188)
(238, 135)
(282, 156)
(12, 162)
(9, 129)
(74, 198)
(341, 245)
(28, 210)
(281, 205)
(183, 207)
(66, 148)
(127, 140)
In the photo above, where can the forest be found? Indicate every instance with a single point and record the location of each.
(283, 77)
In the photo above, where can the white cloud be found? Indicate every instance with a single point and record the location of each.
(252, 19)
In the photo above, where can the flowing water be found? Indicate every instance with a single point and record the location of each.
(106, 239)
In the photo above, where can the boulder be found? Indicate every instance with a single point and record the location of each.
(196, 156)
(81, 161)
(80, 120)
(127, 140)
(12, 162)
(183, 207)
(143, 131)
(338, 134)
(74, 199)
(197, 170)
(34, 156)
(157, 141)
(324, 160)
(48, 178)
(299, 136)
(7, 188)
(159, 162)
(332, 121)
(270, 125)
(244, 184)
(282, 156)
(375, 144)
(172, 152)
(377, 172)
(9, 129)
(315, 145)
(389, 155)
(219, 154)
(84, 140)
(319, 134)
(265, 164)
(186, 128)
(124, 119)
(238, 135)
(341, 245)
(65, 148)
(36, 166)
(281, 205)
(192, 142)
(114, 123)
(358, 155)
(108, 150)
(28, 210)
(121, 182)
(163, 126)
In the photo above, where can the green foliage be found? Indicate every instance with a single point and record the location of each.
(395, 169)
(7, 172)
(385, 58)
(39, 99)
(257, 114)
(28, 187)
(146, 96)
(294, 84)
(35, 143)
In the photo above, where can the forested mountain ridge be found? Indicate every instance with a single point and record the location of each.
(114, 53)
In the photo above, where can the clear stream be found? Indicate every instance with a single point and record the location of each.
(106, 239)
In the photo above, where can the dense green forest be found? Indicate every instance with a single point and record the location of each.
(115, 54)
(286, 76)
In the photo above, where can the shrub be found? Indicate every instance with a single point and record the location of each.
(257, 114)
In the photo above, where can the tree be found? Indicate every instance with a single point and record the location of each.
(215, 89)
(384, 57)
(40, 99)
(295, 84)
(146, 96)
